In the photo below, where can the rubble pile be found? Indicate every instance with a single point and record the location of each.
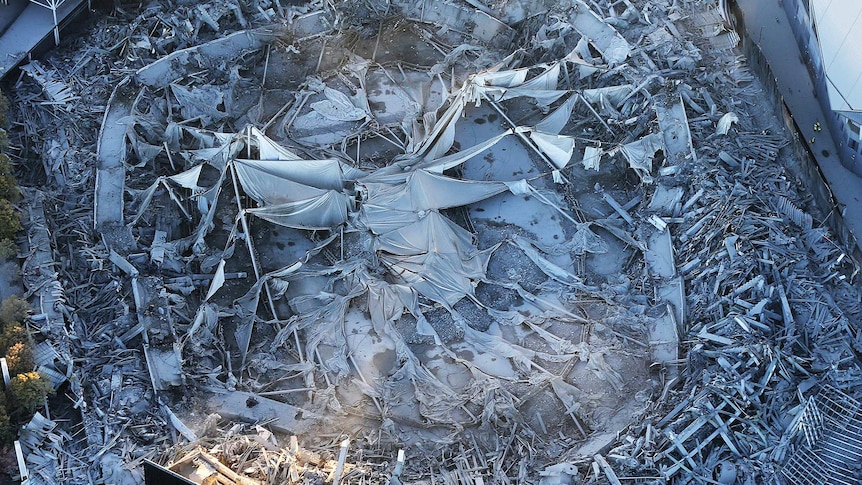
(428, 242)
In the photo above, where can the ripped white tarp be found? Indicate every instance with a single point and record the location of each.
(338, 107)
(547, 267)
(387, 303)
(506, 79)
(546, 81)
(247, 304)
(584, 68)
(425, 190)
(216, 156)
(543, 97)
(440, 140)
(143, 197)
(554, 122)
(586, 241)
(435, 191)
(558, 148)
(206, 204)
(200, 102)
(640, 154)
(433, 232)
(437, 276)
(724, 124)
(269, 189)
(322, 174)
(380, 219)
(218, 280)
(323, 212)
(189, 178)
(268, 149)
(455, 159)
(434, 256)
(592, 157)
(611, 94)
(143, 150)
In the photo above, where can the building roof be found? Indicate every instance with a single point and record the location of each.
(839, 30)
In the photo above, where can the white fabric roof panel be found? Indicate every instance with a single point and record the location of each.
(267, 189)
(322, 174)
(435, 256)
(269, 149)
(430, 233)
(556, 121)
(380, 219)
(558, 148)
(424, 190)
(434, 191)
(449, 161)
(839, 30)
(505, 79)
(546, 81)
(323, 212)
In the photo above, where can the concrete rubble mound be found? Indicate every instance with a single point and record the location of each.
(429, 242)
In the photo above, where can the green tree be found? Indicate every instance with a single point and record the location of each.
(19, 358)
(8, 184)
(8, 250)
(28, 391)
(10, 336)
(9, 223)
(4, 110)
(7, 436)
(14, 310)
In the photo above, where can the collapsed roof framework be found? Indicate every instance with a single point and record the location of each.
(408, 277)
(396, 226)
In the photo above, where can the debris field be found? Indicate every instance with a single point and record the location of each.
(428, 242)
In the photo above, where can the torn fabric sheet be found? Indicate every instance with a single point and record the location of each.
(328, 174)
(613, 47)
(611, 94)
(267, 148)
(506, 79)
(445, 276)
(443, 134)
(217, 281)
(585, 68)
(558, 148)
(268, 189)
(386, 302)
(338, 107)
(724, 124)
(424, 190)
(189, 178)
(641, 153)
(543, 97)
(433, 232)
(200, 102)
(547, 267)
(557, 120)
(546, 81)
(143, 199)
(322, 212)
(455, 159)
(143, 150)
(586, 241)
(435, 191)
(592, 157)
